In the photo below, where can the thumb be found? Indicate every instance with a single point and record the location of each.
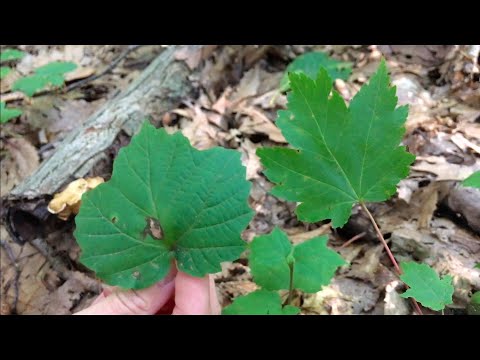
(134, 302)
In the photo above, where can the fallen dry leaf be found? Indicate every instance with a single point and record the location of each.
(20, 161)
(198, 129)
(444, 170)
(193, 56)
(68, 201)
(250, 159)
(257, 122)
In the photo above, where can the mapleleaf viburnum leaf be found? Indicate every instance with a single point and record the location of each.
(341, 155)
(272, 255)
(309, 63)
(8, 113)
(50, 74)
(165, 200)
(260, 302)
(473, 180)
(426, 286)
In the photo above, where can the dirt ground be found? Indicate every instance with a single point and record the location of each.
(234, 105)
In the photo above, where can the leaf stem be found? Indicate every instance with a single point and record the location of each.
(290, 287)
(387, 249)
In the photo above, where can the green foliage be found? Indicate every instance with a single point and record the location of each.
(8, 114)
(272, 256)
(56, 68)
(51, 74)
(11, 54)
(477, 266)
(341, 155)
(473, 180)
(260, 302)
(4, 71)
(426, 286)
(165, 200)
(311, 62)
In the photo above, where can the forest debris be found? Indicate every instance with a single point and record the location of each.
(427, 199)
(20, 161)
(459, 140)
(408, 241)
(366, 267)
(68, 201)
(193, 56)
(444, 170)
(322, 230)
(394, 303)
(343, 296)
(250, 159)
(199, 131)
(257, 122)
(466, 201)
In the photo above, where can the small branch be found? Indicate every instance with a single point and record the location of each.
(109, 68)
(387, 249)
(290, 287)
(356, 237)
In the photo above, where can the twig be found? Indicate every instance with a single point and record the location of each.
(390, 255)
(109, 68)
(14, 263)
(356, 237)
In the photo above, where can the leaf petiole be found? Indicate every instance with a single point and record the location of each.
(389, 252)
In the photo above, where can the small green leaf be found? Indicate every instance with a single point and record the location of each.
(8, 113)
(340, 156)
(314, 264)
(165, 200)
(11, 54)
(56, 68)
(4, 71)
(260, 302)
(473, 180)
(268, 260)
(426, 286)
(310, 63)
(477, 266)
(29, 85)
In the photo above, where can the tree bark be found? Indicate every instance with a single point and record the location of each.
(161, 87)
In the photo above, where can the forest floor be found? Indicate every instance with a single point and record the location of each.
(234, 105)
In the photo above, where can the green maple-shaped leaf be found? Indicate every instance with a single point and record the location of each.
(4, 71)
(165, 200)
(473, 180)
(260, 302)
(426, 286)
(56, 68)
(309, 63)
(271, 257)
(342, 155)
(11, 54)
(29, 85)
(8, 113)
(51, 74)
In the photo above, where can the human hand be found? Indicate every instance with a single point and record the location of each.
(177, 294)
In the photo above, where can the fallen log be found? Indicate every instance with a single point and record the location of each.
(161, 87)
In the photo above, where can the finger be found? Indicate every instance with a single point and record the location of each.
(214, 304)
(135, 302)
(192, 295)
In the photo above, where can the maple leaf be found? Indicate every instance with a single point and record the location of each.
(341, 155)
(426, 286)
